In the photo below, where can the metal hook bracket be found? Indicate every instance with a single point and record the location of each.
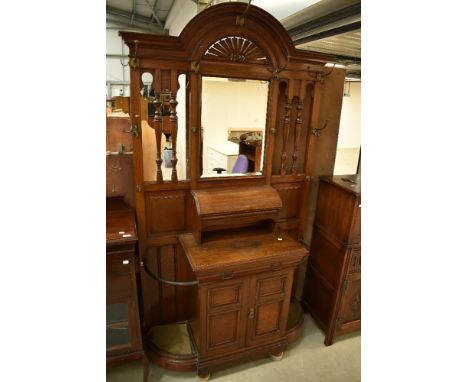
(316, 131)
(195, 66)
(133, 61)
(321, 76)
(278, 70)
(240, 19)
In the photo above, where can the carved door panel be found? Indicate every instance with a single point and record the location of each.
(268, 308)
(350, 309)
(226, 312)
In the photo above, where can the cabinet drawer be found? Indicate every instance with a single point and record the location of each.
(120, 263)
(271, 286)
(224, 296)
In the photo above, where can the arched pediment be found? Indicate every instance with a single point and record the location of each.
(239, 33)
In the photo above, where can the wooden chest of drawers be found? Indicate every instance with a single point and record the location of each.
(332, 289)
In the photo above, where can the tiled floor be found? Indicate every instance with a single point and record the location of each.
(306, 360)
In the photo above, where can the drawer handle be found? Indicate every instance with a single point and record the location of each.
(276, 266)
(125, 262)
(251, 313)
(227, 276)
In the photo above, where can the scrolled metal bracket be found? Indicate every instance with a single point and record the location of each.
(240, 19)
(321, 76)
(278, 70)
(195, 66)
(316, 131)
(133, 61)
(135, 129)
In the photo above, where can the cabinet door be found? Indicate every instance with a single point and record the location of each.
(268, 309)
(225, 307)
(122, 321)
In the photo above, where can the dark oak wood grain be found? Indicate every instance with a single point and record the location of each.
(166, 208)
(332, 289)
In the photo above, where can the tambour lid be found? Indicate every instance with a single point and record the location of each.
(238, 200)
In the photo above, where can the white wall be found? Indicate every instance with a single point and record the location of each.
(350, 122)
(181, 13)
(114, 69)
(349, 136)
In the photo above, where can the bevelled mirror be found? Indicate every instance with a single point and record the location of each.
(233, 121)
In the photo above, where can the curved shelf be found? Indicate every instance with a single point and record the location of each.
(170, 347)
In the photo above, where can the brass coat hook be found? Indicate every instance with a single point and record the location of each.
(133, 61)
(316, 131)
(277, 71)
(321, 76)
(240, 19)
(195, 66)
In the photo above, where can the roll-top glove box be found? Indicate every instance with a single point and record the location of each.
(224, 209)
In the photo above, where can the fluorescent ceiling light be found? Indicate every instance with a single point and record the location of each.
(283, 8)
(334, 65)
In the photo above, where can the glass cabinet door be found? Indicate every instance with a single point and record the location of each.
(117, 329)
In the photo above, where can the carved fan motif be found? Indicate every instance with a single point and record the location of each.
(237, 49)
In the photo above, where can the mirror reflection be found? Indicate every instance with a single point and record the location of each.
(148, 133)
(233, 126)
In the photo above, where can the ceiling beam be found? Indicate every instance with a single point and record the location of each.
(137, 21)
(154, 9)
(328, 33)
(133, 11)
(154, 13)
(333, 17)
(348, 59)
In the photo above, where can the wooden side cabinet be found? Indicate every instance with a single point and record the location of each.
(123, 333)
(332, 289)
(244, 312)
(244, 293)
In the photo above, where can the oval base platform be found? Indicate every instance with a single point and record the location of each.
(170, 346)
